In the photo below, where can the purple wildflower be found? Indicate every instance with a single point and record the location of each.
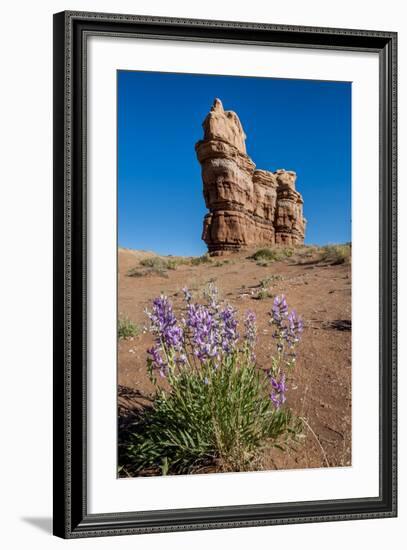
(228, 329)
(250, 332)
(279, 388)
(164, 324)
(212, 295)
(154, 352)
(289, 326)
(277, 399)
(187, 294)
(295, 329)
(204, 331)
(250, 326)
(181, 359)
(157, 361)
(213, 331)
(279, 311)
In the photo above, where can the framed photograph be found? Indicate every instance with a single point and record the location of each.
(224, 274)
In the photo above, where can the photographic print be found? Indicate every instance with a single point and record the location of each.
(225, 297)
(234, 274)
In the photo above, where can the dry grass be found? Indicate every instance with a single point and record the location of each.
(127, 329)
(336, 254)
(265, 256)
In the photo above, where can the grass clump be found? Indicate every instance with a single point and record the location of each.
(134, 272)
(262, 293)
(308, 251)
(160, 271)
(264, 256)
(221, 263)
(336, 254)
(160, 266)
(127, 329)
(154, 266)
(204, 259)
(158, 263)
(263, 290)
(267, 281)
(222, 418)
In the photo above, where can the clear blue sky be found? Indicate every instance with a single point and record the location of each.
(300, 125)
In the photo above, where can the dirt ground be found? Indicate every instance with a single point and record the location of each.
(319, 390)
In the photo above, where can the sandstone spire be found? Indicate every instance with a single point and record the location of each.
(224, 126)
(247, 207)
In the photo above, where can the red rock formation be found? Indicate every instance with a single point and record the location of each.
(246, 206)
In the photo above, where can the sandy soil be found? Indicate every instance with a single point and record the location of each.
(320, 387)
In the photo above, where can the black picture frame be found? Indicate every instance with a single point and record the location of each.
(71, 518)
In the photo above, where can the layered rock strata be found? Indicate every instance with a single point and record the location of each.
(247, 207)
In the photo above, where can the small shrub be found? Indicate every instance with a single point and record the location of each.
(220, 408)
(133, 272)
(336, 254)
(262, 293)
(268, 281)
(153, 266)
(160, 264)
(155, 263)
(204, 259)
(265, 283)
(172, 264)
(264, 255)
(161, 272)
(127, 329)
(221, 263)
(308, 251)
